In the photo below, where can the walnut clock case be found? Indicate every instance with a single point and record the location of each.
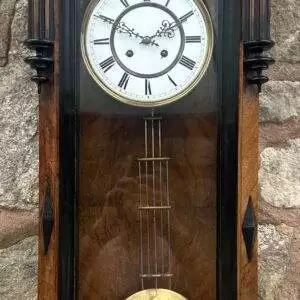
(148, 146)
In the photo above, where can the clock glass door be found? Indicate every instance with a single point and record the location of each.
(147, 149)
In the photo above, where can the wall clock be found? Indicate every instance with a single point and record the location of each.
(148, 146)
(147, 61)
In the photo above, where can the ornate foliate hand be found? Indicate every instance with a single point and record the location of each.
(123, 28)
(167, 29)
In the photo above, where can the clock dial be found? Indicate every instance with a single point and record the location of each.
(147, 53)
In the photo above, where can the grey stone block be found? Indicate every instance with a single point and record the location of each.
(279, 175)
(280, 101)
(18, 270)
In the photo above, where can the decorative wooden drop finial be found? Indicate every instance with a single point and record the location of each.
(40, 40)
(256, 37)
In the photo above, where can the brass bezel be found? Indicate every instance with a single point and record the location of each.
(210, 33)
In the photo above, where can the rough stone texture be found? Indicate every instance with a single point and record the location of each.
(18, 123)
(282, 71)
(279, 101)
(7, 10)
(270, 214)
(18, 158)
(278, 135)
(15, 226)
(18, 270)
(285, 30)
(280, 175)
(274, 245)
(279, 216)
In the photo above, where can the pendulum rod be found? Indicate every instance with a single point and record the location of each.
(161, 197)
(157, 233)
(147, 197)
(168, 224)
(154, 201)
(141, 227)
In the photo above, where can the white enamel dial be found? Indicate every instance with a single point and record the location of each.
(147, 53)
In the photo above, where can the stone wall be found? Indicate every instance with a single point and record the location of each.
(18, 158)
(279, 231)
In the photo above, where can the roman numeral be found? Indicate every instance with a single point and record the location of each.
(193, 39)
(125, 3)
(101, 41)
(147, 87)
(186, 16)
(107, 64)
(187, 62)
(170, 78)
(124, 81)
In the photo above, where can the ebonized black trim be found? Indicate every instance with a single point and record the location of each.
(228, 80)
(256, 61)
(68, 155)
(41, 41)
(249, 229)
(256, 38)
(42, 61)
(47, 220)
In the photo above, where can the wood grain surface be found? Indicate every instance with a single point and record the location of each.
(109, 236)
(248, 182)
(48, 173)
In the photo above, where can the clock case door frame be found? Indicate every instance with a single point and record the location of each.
(59, 159)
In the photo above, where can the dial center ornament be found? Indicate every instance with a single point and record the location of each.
(147, 39)
(147, 53)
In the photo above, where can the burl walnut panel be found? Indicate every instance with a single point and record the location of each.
(109, 230)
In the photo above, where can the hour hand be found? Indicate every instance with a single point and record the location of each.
(167, 29)
(105, 19)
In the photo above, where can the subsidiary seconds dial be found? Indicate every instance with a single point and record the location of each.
(147, 53)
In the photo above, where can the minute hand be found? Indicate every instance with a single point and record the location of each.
(122, 27)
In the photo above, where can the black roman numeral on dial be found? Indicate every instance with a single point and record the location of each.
(171, 79)
(193, 39)
(124, 81)
(147, 87)
(107, 64)
(125, 3)
(101, 41)
(186, 16)
(187, 62)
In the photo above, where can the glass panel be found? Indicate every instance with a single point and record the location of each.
(147, 191)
